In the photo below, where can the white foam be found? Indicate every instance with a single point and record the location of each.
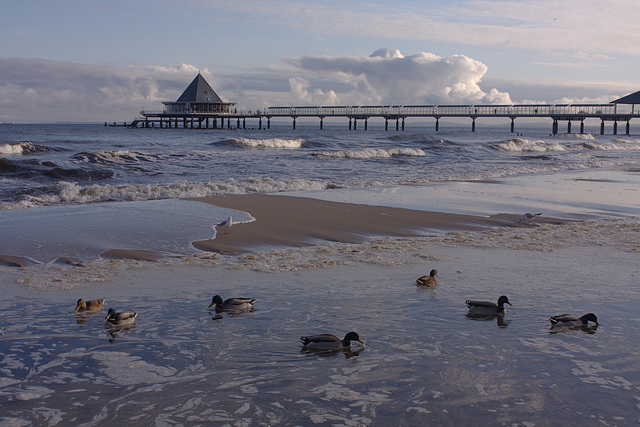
(72, 193)
(16, 149)
(114, 157)
(525, 145)
(269, 143)
(372, 153)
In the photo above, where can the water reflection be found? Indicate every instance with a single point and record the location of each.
(554, 329)
(347, 352)
(499, 318)
(114, 331)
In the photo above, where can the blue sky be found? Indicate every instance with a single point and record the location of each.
(104, 60)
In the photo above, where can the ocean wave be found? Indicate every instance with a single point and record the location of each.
(372, 153)
(65, 193)
(22, 148)
(616, 145)
(525, 145)
(268, 143)
(113, 157)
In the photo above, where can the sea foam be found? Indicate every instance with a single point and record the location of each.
(268, 143)
(525, 145)
(72, 193)
(372, 153)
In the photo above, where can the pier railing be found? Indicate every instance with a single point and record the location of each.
(393, 111)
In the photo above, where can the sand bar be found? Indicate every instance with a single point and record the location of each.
(299, 221)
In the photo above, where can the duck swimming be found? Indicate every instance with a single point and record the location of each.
(91, 305)
(121, 318)
(573, 321)
(428, 280)
(329, 342)
(232, 303)
(487, 307)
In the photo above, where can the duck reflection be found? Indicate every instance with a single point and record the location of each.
(584, 328)
(114, 331)
(499, 318)
(347, 352)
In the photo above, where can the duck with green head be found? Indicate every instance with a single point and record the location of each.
(232, 304)
(329, 342)
(487, 308)
(121, 318)
(569, 320)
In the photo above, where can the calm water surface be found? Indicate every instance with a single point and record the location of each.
(424, 362)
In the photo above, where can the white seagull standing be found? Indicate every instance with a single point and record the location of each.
(528, 217)
(226, 224)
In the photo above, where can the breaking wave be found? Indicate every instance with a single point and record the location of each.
(72, 193)
(113, 157)
(268, 143)
(22, 148)
(525, 145)
(372, 153)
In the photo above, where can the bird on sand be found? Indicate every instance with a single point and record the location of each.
(226, 224)
(487, 307)
(91, 305)
(231, 304)
(121, 318)
(528, 217)
(573, 321)
(428, 280)
(329, 342)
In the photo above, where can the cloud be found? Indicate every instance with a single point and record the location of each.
(39, 90)
(389, 77)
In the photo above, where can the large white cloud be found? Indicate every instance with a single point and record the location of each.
(389, 77)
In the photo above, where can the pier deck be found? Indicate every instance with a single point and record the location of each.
(570, 113)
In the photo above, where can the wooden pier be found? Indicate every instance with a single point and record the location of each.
(397, 115)
(570, 113)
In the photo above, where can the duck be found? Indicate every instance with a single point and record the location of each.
(232, 303)
(428, 280)
(487, 307)
(121, 318)
(571, 320)
(329, 342)
(91, 305)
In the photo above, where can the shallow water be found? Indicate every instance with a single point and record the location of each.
(424, 361)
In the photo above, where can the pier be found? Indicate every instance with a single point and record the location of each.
(199, 107)
(398, 114)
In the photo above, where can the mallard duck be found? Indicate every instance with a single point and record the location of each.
(91, 305)
(232, 303)
(428, 280)
(487, 307)
(571, 320)
(329, 342)
(121, 318)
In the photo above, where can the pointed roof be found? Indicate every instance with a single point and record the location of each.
(200, 91)
(634, 98)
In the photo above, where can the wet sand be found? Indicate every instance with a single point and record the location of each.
(299, 221)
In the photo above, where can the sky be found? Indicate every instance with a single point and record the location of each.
(98, 61)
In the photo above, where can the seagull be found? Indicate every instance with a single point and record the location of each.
(528, 217)
(226, 224)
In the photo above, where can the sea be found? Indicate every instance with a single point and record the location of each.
(80, 189)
